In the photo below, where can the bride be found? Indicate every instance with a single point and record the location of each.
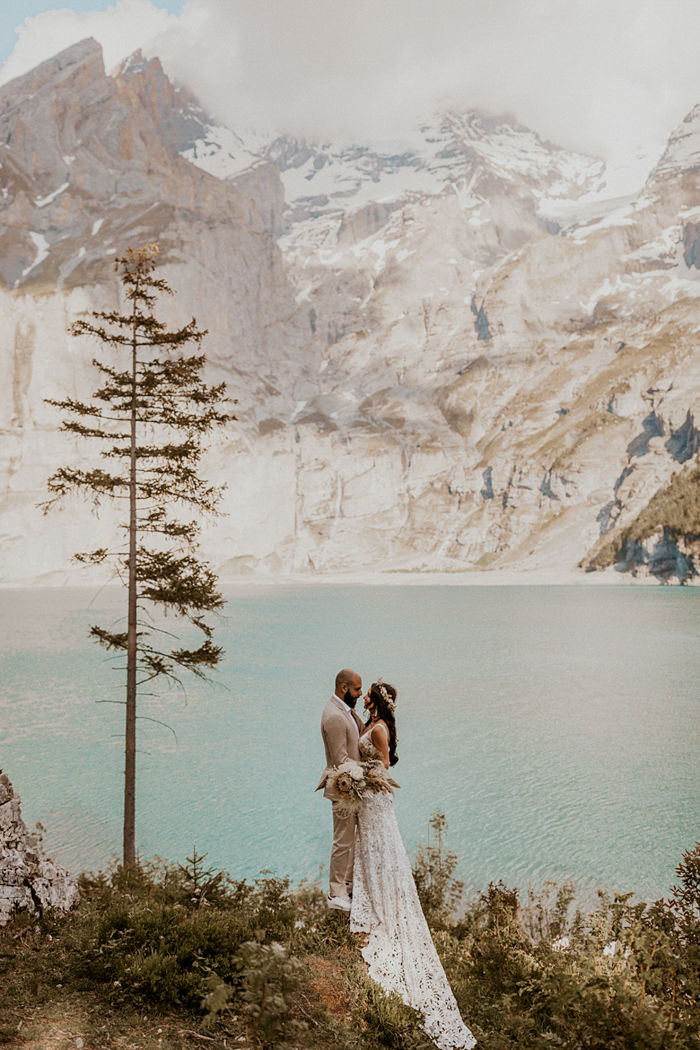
(399, 951)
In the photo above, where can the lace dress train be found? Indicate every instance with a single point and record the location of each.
(399, 952)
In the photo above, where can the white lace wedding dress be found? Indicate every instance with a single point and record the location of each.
(399, 952)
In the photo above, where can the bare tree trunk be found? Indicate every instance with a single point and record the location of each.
(130, 732)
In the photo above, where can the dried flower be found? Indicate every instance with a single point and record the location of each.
(378, 778)
(346, 782)
(351, 783)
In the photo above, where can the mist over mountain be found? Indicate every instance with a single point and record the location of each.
(454, 355)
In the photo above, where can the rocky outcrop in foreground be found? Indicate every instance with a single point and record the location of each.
(28, 881)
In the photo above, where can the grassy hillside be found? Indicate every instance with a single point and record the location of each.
(675, 509)
(175, 957)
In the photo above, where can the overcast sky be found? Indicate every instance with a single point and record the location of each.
(607, 77)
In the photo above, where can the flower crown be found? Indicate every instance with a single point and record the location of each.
(385, 696)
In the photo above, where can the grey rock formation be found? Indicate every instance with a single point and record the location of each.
(691, 244)
(28, 881)
(664, 556)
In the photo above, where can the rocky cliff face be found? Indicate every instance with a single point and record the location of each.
(89, 167)
(28, 881)
(449, 357)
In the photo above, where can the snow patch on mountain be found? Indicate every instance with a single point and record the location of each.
(336, 180)
(220, 152)
(622, 214)
(326, 178)
(42, 251)
(41, 202)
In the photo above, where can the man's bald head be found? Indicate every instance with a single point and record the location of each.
(348, 686)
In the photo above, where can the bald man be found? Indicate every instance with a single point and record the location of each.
(340, 728)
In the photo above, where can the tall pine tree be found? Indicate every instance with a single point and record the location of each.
(150, 414)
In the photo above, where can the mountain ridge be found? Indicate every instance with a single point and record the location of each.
(442, 377)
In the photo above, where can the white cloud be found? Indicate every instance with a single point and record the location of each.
(120, 30)
(609, 77)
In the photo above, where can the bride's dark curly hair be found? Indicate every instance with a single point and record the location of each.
(384, 711)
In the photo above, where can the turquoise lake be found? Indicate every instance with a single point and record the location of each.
(556, 727)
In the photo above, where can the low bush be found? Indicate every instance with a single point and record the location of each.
(625, 977)
(257, 962)
(162, 934)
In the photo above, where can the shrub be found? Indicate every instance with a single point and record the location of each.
(232, 955)
(161, 933)
(439, 891)
(626, 976)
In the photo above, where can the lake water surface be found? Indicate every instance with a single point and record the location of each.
(556, 727)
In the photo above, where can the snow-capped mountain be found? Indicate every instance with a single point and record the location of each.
(449, 354)
(456, 149)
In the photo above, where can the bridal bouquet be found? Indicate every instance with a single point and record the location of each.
(377, 777)
(352, 781)
(347, 783)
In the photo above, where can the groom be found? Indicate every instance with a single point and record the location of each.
(341, 728)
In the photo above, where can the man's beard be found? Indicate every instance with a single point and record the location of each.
(350, 700)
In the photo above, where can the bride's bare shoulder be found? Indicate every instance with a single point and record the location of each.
(380, 732)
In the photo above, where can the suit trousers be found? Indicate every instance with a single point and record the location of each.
(342, 853)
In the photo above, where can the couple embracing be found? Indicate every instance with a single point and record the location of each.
(370, 873)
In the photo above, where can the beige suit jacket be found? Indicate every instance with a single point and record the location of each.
(340, 729)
